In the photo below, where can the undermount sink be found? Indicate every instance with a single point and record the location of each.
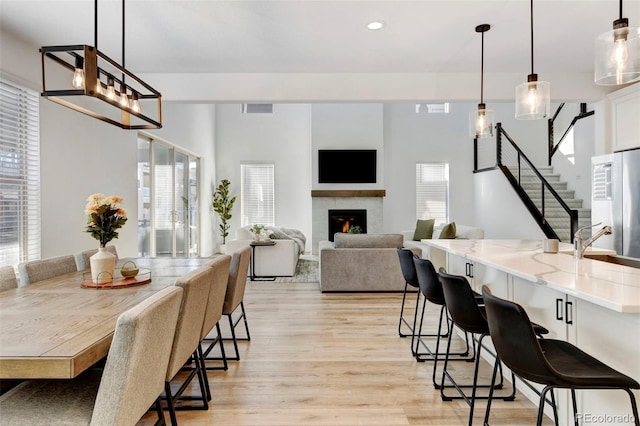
(618, 260)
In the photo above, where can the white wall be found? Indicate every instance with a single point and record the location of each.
(81, 156)
(347, 126)
(412, 138)
(283, 138)
(499, 210)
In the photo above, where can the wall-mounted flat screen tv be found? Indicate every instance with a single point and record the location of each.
(347, 166)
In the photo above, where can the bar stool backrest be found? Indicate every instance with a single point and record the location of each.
(461, 303)
(407, 267)
(430, 285)
(514, 339)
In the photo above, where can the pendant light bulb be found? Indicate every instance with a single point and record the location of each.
(111, 91)
(124, 99)
(481, 121)
(617, 57)
(78, 74)
(135, 104)
(533, 98)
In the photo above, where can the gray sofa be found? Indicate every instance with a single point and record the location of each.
(361, 262)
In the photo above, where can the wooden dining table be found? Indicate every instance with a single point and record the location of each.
(57, 329)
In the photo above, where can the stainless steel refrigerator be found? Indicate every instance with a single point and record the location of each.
(616, 200)
(626, 202)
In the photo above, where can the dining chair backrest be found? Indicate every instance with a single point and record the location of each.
(196, 285)
(237, 284)
(461, 303)
(40, 270)
(429, 282)
(220, 276)
(82, 258)
(515, 340)
(134, 372)
(407, 267)
(7, 278)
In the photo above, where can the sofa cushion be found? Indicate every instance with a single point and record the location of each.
(342, 240)
(448, 231)
(424, 229)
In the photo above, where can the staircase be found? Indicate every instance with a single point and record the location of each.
(554, 215)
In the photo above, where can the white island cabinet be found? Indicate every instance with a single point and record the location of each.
(592, 304)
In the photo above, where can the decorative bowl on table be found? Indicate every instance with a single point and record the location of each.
(129, 270)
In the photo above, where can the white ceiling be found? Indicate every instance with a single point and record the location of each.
(326, 37)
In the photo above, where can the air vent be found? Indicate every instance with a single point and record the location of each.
(257, 108)
(442, 108)
(602, 181)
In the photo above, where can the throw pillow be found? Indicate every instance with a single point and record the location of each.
(424, 229)
(448, 231)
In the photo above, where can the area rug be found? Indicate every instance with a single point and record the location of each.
(306, 271)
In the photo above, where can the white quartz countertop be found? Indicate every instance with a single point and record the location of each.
(609, 285)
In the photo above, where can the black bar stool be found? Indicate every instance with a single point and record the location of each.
(553, 363)
(468, 316)
(410, 279)
(431, 290)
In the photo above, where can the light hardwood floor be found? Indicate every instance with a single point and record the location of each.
(334, 359)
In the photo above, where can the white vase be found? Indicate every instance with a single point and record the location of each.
(102, 264)
(222, 248)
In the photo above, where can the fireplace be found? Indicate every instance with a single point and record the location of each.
(343, 220)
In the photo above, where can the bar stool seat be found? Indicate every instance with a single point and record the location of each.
(553, 363)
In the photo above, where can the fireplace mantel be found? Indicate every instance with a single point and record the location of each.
(348, 193)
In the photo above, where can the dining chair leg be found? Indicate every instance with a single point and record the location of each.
(160, 412)
(170, 406)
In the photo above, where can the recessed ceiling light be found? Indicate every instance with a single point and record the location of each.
(375, 25)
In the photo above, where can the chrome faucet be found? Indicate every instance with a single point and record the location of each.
(579, 246)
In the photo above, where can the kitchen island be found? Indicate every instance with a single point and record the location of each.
(592, 304)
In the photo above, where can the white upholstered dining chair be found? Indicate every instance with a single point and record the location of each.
(186, 342)
(132, 380)
(40, 270)
(7, 278)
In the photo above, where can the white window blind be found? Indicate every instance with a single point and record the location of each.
(257, 194)
(19, 174)
(432, 192)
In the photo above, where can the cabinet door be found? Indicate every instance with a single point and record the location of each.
(551, 309)
(613, 338)
(457, 265)
(496, 280)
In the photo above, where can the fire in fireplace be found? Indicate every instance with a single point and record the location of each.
(344, 220)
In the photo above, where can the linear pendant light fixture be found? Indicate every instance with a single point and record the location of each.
(533, 98)
(88, 81)
(481, 120)
(617, 54)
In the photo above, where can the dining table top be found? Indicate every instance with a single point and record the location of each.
(57, 329)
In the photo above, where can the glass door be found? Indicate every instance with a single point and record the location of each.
(172, 198)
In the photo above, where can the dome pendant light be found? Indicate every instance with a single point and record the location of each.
(481, 120)
(533, 98)
(617, 57)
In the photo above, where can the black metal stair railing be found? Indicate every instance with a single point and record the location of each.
(553, 146)
(548, 209)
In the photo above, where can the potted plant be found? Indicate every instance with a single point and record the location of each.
(257, 231)
(222, 205)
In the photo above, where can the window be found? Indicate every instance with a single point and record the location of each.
(432, 192)
(257, 190)
(19, 174)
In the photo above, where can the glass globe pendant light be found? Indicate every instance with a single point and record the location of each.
(481, 121)
(617, 54)
(533, 98)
